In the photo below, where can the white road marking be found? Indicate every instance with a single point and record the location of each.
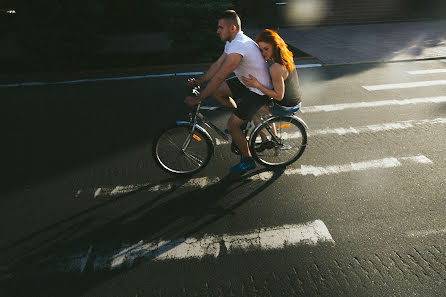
(416, 84)
(199, 183)
(361, 166)
(271, 238)
(424, 233)
(356, 105)
(85, 259)
(430, 71)
(308, 65)
(86, 80)
(76, 262)
(401, 125)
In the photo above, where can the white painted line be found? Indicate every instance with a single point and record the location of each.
(68, 82)
(195, 183)
(424, 233)
(267, 175)
(76, 263)
(84, 260)
(416, 84)
(361, 166)
(266, 239)
(308, 65)
(356, 105)
(401, 125)
(378, 127)
(189, 73)
(431, 71)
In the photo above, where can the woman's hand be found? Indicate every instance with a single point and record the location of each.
(251, 81)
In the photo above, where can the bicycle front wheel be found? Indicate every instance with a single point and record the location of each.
(179, 151)
(279, 141)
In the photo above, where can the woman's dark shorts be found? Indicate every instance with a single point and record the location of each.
(248, 102)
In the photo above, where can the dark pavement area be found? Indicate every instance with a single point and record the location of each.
(330, 44)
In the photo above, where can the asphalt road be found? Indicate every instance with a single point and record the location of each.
(85, 212)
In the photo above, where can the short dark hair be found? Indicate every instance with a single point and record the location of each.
(232, 18)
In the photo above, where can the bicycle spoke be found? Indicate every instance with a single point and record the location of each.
(287, 138)
(198, 161)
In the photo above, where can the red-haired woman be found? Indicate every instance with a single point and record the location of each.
(286, 92)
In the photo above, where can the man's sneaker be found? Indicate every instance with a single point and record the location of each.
(244, 165)
(266, 145)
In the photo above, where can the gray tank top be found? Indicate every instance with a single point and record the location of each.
(293, 94)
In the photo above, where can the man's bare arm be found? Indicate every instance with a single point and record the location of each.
(212, 70)
(230, 63)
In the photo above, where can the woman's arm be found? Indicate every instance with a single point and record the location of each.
(277, 73)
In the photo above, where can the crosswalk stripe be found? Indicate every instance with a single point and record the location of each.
(200, 183)
(381, 103)
(270, 238)
(416, 84)
(401, 125)
(430, 71)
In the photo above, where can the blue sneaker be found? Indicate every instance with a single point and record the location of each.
(244, 165)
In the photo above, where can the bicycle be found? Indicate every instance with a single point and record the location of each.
(187, 147)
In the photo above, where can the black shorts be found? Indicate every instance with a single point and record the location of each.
(248, 102)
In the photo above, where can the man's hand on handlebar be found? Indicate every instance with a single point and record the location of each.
(192, 82)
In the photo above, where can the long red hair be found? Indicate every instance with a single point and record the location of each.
(281, 53)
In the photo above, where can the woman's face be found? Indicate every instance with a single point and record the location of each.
(266, 49)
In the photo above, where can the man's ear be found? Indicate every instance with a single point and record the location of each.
(233, 28)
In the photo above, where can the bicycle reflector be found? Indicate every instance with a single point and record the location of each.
(196, 137)
(285, 126)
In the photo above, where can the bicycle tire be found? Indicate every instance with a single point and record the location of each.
(169, 156)
(292, 136)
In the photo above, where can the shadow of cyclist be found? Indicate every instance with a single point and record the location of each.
(169, 216)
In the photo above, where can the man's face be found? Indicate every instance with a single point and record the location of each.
(224, 30)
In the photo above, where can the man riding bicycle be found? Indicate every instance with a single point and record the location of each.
(243, 57)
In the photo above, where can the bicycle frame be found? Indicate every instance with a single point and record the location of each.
(197, 117)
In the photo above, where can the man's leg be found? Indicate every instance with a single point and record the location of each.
(238, 137)
(246, 162)
(223, 95)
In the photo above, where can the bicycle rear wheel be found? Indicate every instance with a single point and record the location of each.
(284, 141)
(178, 151)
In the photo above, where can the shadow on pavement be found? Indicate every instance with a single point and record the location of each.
(170, 215)
(48, 131)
